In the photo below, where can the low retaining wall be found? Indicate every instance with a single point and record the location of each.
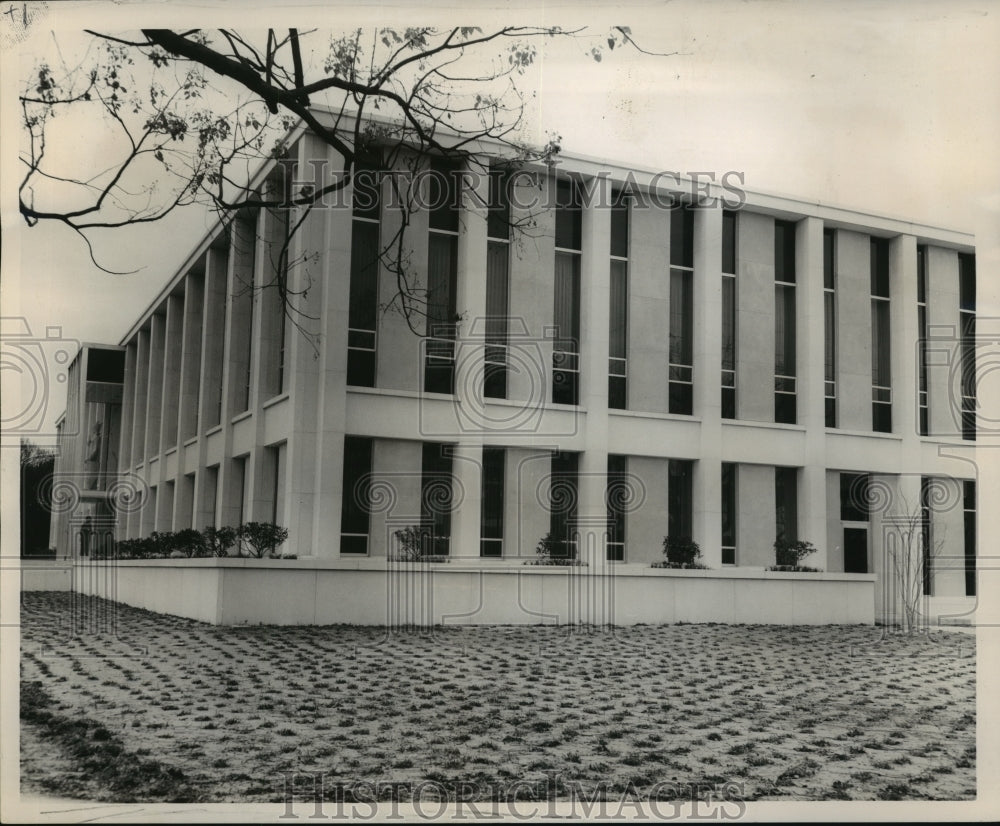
(46, 574)
(376, 592)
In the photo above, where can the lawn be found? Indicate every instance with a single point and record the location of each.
(168, 709)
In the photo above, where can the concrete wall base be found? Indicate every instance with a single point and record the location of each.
(376, 592)
(46, 574)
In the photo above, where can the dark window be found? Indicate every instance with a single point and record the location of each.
(854, 498)
(680, 499)
(923, 423)
(784, 354)
(442, 269)
(491, 522)
(682, 237)
(619, 225)
(436, 498)
(498, 208)
(969, 507)
(366, 179)
(569, 215)
(681, 378)
(829, 328)
(563, 485)
(880, 267)
(881, 367)
(105, 365)
(729, 472)
(618, 351)
(363, 303)
(497, 307)
(355, 513)
(566, 347)
(784, 251)
(786, 504)
(616, 497)
(728, 399)
(729, 242)
(728, 347)
(967, 314)
(443, 195)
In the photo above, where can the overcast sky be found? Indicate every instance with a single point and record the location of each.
(884, 107)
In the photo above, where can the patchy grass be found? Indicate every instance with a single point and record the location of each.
(157, 708)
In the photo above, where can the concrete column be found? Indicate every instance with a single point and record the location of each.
(331, 233)
(399, 353)
(810, 359)
(128, 408)
(466, 519)
(154, 397)
(595, 319)
(755, 319)
(137, 454)
(213, 343)
(944, 330)
(904, 334)
(171, 371)
(707, 481)
(648, 308)
(190, 367)
(854, 331)
(302, 365)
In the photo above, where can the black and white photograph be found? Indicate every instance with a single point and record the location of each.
(499, 411)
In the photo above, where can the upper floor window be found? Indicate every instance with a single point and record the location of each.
(830, 326)
(497, 285)
(362, 333)
(923, 406)
(728, 400)
(881, 338)
(784, 323)
(566, 312)
(967, 317)
(618, 343)
(442, 275)
(681, 354)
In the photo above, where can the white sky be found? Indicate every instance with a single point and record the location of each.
(886, 107)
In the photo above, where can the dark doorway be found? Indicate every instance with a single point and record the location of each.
(856, 550)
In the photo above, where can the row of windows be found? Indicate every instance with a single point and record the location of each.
(565, 377)
(436, 505)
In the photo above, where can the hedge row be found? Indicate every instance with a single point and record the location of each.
(256, 539)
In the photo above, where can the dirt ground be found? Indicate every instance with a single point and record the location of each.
(122, 704)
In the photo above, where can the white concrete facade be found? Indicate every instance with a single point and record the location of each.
(230, 415)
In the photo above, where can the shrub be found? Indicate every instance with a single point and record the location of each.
(218, 541)
(549, 551)
(791, 553)
(411, 542)
(415, 543)
(189, 542)
(261, 538)
(681, 551)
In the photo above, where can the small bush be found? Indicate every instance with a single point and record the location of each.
(218, 541)
(261, 538)
(550, 551)
(189, 542)
(681, 551)
(792, 553)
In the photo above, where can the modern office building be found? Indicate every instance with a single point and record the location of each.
(604, 354)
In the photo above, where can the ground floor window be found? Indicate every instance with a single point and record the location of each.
(355, 512)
